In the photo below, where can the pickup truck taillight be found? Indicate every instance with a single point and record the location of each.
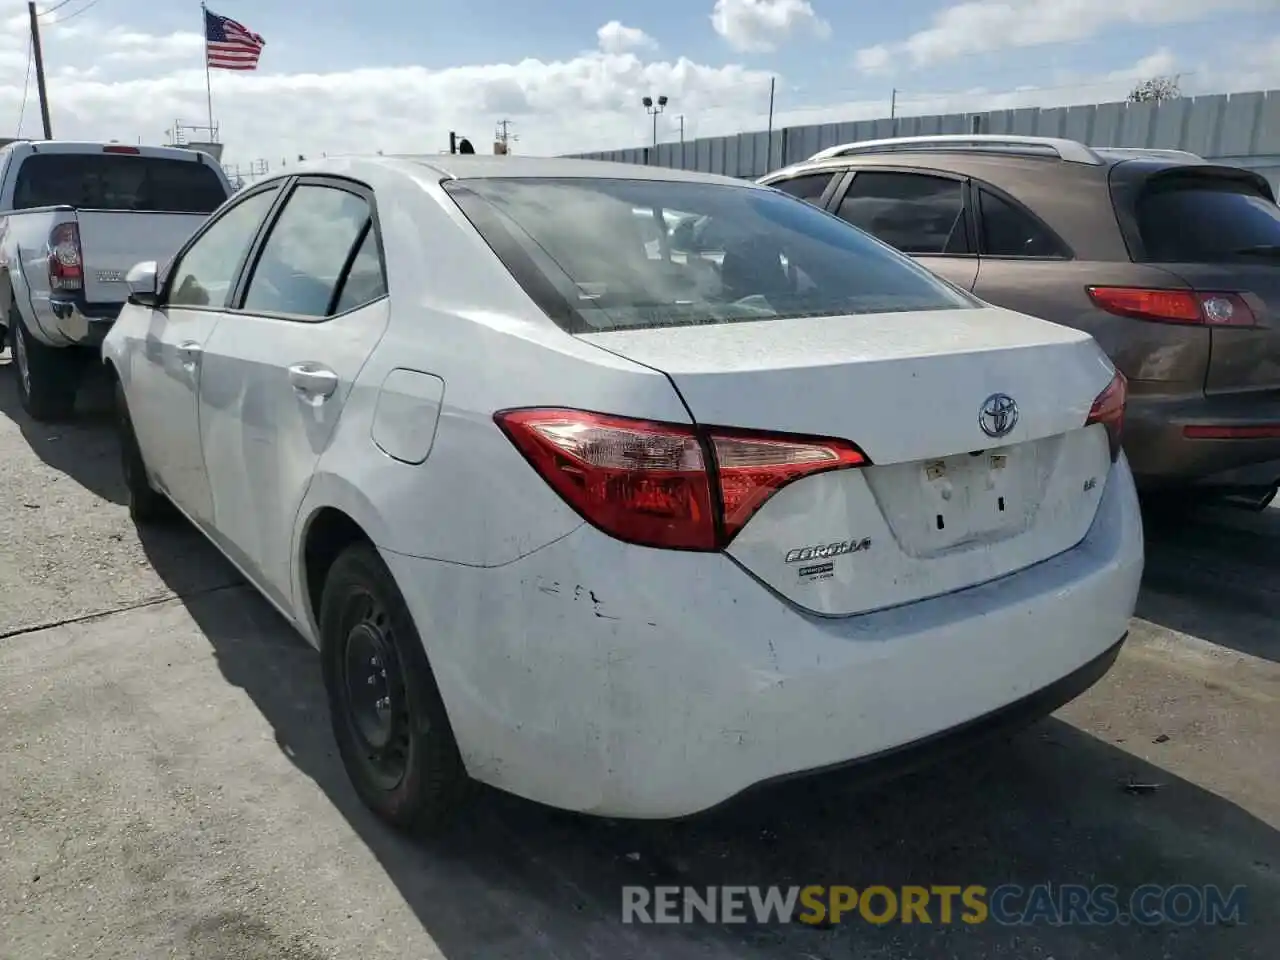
(66, 267)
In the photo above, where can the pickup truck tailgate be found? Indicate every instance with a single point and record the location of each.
(112, 241)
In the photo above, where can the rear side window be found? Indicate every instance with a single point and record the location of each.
(116, 181)
(1205, 220)
(310, 245)
(1008, 231)
(913, 212)
(733, 253)
(810, 186)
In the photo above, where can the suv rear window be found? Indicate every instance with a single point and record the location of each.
(730, 254)
(116, 181)
(1205, 220)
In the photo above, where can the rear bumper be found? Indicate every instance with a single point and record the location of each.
(66, 321)
(617, 680)
(1162, 456)
(83, 324)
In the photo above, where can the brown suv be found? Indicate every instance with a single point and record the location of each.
(1171, 263)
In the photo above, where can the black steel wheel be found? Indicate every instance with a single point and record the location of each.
(388, 718)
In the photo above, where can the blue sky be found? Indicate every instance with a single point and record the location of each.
(393, 73)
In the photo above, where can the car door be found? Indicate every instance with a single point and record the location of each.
(925, 215)
(165, 369)
(280, 365)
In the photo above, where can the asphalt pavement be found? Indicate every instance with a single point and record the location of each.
(169, 787)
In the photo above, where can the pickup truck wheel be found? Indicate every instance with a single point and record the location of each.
(146, 504)
(48, 378)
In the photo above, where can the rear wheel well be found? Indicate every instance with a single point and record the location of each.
(331, 531)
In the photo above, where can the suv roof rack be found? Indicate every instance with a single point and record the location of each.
(1071, 151)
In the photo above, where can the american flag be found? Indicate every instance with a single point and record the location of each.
(229, 45)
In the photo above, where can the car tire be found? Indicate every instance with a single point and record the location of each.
(48, 378)
(147, 506)
(388, 718)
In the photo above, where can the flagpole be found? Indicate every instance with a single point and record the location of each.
(208, 77)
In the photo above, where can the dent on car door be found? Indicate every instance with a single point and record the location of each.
(166, 367)
(278, 369)
(924, 215)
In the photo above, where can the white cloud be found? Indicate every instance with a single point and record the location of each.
(616, 38)
(1161, 63)
(980, 26)
(760, 25)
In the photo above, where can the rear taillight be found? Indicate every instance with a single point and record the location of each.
(120, 148)
(66, 271)
(1175, 306)
(662, 484)
(1108, 410)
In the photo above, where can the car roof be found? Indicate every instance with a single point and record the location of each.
(480, 166)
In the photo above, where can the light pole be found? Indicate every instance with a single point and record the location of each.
(653, 109)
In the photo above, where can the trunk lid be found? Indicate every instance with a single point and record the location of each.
(112, 241)
(944, 505)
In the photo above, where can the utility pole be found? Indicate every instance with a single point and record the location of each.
(768, 163)
(681, 119)
(893, 103)
(503, 137)
(38, 56)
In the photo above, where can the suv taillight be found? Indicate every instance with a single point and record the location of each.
(663, 484)
(66, 271)
(1108, 410)
(1175, 306)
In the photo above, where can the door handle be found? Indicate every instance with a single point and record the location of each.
(313, 380)
(189, 351)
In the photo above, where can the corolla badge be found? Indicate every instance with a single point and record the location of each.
(998, 415)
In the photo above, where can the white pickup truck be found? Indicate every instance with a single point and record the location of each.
(74, 217)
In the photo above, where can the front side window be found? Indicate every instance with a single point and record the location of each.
(204, 275)
(912, 212)
(302, 261)
(733, 253)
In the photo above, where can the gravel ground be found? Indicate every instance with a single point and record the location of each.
(168, 787)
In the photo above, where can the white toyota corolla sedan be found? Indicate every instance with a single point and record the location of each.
(625, 489)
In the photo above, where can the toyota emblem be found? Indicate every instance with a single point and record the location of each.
(999, 415)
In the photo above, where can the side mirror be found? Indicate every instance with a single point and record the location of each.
(142, 281)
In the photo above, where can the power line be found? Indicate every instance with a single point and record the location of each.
(71, 16)
(54, 9)
(26, 86)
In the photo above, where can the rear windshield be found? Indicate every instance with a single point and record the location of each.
(602, 255)
(1202, 220)
(115, 181)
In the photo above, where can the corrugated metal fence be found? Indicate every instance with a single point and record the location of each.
(1242, 128)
